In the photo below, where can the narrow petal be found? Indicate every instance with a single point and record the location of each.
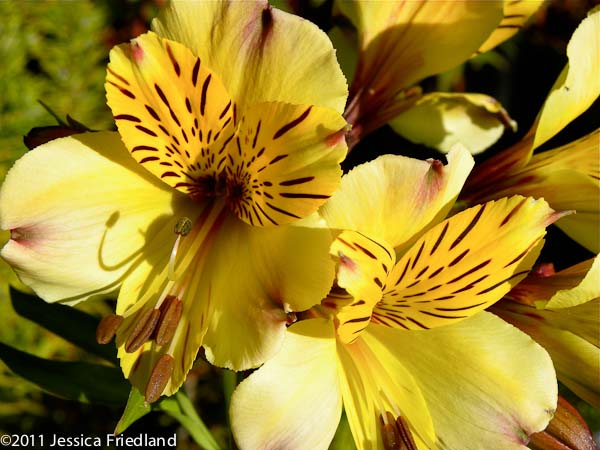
(441, 120)
(285, 162)
(570, 336)
(73, 234)
(516, 15)
(293, 401)
(486, 384)
(464, 264)
(364, 265)
(374, 381)
(427, 37)
(173, 113)
(374, 198)
(260, 276)
(261, 54)
(578, 86)
(574, 285)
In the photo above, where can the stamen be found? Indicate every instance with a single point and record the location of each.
(159, 378)
(182, 229)
(170, 314)
(142, 330)
(107, 328)
(395, 433)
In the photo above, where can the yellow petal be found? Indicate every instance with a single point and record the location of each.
(570, 336)
(441, 120)
(578, 86)
(374, 381)
(426, 38)
(486, 384)
(374, 198)
(260, 53)
(515, 16)
(259, 276)
(173, 113)
(285, 162)
(363, 268)
(293, 401)
(74, 234)
(464, 264)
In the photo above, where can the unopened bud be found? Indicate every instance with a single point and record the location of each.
(566, 430)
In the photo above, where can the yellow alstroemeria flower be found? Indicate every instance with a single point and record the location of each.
(193, 209)
(568, 177)
(402, 42)
(406, 349)
(561, 311)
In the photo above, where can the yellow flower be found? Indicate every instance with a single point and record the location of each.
(402, 42)
(567, 176)
(230, 133)
(404, 344)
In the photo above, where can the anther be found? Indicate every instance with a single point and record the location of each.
(395, 433)
(159, 378)
(142, 330)
(170, 314)
(182, 229)
(107, 328)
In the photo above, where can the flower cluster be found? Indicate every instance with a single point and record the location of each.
(401, 292)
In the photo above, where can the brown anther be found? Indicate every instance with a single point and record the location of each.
(170, 314)
(159, 378)
(396, 434)
(389, 433)
(142, 330)
(107, 328)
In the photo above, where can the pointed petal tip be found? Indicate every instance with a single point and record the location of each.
(555, 215)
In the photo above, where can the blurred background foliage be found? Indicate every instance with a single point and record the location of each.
(56, 52)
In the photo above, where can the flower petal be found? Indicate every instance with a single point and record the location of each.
(293, 401)
(587, 289)
(364, 265)
(374, 198)
(578, 86)
(570, 336)
(173, 113)
(285, 162)
(248, 44)
(74, 234)
(441, 120)
(374, 381)
(486, 384)
(260, 276)
(464, 264)
(515, 16)
(428, 37)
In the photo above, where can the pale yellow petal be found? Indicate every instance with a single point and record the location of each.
(486, 384)
(570, 335)
(259, 276)
(293, 401)
(374, 198)
(578, 85)
(441, 120)
(260, 53)
(89, 213)
(587, 289)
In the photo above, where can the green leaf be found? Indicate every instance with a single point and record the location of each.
(136, 407)
(74, 380)
(75, 326)
(181, 409)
